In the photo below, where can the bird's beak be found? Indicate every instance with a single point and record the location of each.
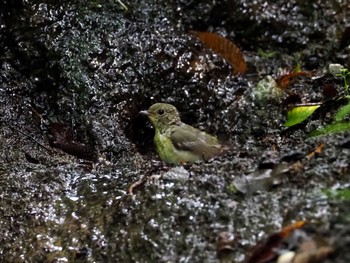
(144, 112)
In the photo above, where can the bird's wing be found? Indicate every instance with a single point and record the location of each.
(187, 138)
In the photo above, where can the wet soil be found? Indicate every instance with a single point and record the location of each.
(74, 76)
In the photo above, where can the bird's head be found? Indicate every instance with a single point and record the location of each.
(162, 115)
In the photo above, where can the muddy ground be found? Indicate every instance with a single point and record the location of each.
(74, 76)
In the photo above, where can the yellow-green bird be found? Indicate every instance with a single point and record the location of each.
(177, 142)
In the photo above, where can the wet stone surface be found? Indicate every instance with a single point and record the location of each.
(74, 77)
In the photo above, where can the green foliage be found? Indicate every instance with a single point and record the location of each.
(342, 113)
(339, 194)
(341, 122)
(266, 54)
(299, 114)
(331, 128)
(297, 68)
(345, 73)
(231, 188)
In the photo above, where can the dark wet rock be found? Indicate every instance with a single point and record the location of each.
(90, 67)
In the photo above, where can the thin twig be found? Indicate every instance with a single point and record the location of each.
(31, 138)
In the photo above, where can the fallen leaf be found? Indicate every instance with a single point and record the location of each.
(261, 180)
(286, 231)
(284, 81)
(316, 152)
(268, 249)
(265, 251)
(313, 256)
(225, 243)
(61, 137)
(224, 48)
(299, 114)
(291, 245)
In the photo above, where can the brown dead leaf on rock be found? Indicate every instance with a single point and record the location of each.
(316, 152)
(284, 81)
(61, 137)
(267, 250)
(225, 48)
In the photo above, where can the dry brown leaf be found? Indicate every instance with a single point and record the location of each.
(286, 231)
(224, 48)
(225, 243)
(61, 137)
(313, 256)
(316, 152)
(267, 250)
(283, 81)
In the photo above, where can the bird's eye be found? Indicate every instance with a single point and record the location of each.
(160, 112)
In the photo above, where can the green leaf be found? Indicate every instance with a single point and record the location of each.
(331, 128)
(339, 194)
(342, 113)
(299, 114)
(297, 68)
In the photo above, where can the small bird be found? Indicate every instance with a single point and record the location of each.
(177, 142)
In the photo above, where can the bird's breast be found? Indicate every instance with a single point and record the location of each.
(169, 154)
